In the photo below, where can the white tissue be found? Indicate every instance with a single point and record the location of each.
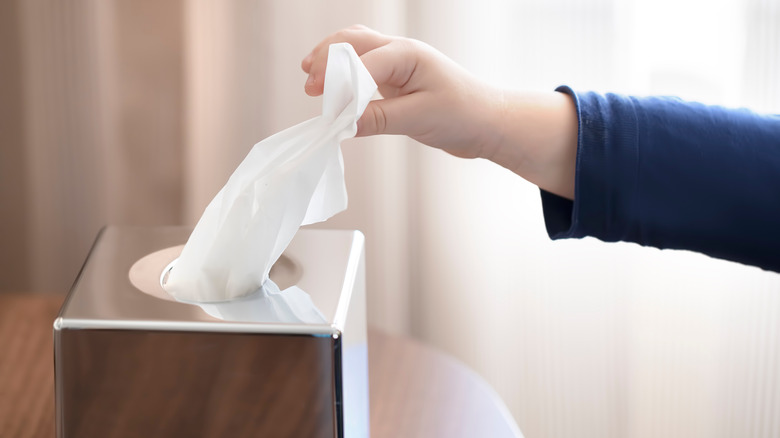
(269, 305)
(293, 178)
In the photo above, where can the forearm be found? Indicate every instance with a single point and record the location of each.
(674, 174)
(536, 137)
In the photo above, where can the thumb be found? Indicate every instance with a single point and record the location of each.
(386, 116)
(373, 121)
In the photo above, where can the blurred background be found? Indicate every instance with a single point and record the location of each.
(136, 112)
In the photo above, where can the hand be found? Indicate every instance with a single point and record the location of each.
(433, 100)
(427, 96)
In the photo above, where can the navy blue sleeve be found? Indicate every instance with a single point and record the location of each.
(672, 174)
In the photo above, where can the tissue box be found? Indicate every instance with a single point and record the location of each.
(130, 364)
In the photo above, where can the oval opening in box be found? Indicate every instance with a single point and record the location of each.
(149, 272)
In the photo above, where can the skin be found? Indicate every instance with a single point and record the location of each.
(433, 100)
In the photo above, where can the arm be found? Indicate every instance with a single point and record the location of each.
(673, 174)
(655, 171)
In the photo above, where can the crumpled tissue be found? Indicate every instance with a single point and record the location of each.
(293, 178)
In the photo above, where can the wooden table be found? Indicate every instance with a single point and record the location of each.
(415, 390)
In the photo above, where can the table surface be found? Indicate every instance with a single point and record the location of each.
(415, 390)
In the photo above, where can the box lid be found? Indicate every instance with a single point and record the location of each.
(323, 263)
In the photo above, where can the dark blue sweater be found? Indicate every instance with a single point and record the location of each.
(666, 173)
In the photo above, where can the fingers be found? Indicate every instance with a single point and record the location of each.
(393, 64)
(360, 37)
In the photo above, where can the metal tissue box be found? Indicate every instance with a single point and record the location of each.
(129, 364)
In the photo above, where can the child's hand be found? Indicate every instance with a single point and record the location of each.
(432, 99)
(426, 95)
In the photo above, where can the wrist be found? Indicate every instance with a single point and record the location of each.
(536, 136)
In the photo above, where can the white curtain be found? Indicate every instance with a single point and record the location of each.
(583, 338)
(136, 113)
